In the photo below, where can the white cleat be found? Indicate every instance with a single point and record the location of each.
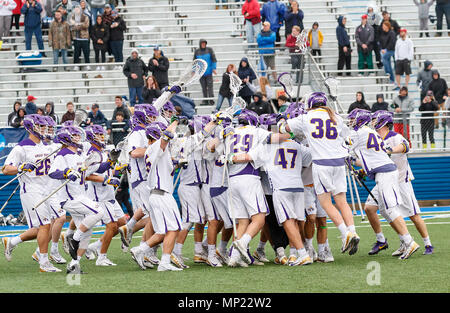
(400, 251)
(57, 258)
(151, 258)
(222, 256)
(125, 235)
(312, 253)
(354, 244)
(90, 254)
(410, 249)
(260, 255)
(200, 258)
(305, 260)
(48, 267)
(163, 267)
(124, 248)
(104, 262)
(177, 260)
(236, 262)
(214, 261)
(292, 259)
(237, 244)
(35, 256)
(325, 256)
(65, 243)
(346, 242)
(8, 249)
(138, 256)
(74, 268)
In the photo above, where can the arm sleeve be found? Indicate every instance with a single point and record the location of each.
(15, 157)
(57, 168)
(126, 70)
(164, 64)
(297, 125)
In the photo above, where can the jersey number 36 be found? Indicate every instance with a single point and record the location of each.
(329, 131)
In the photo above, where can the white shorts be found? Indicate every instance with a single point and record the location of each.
(220, 204)
(40, 216)
(331, 179)
(210, 212)
(409, 206)
(247, 196)
(139, 198)
(164, 212)
(312, 204)
(112, 209)
(82, 206)
(289, 205)
(192, 210)
(54, 205)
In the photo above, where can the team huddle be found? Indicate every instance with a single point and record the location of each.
(239, 174)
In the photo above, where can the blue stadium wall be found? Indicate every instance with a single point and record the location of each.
(432, 183)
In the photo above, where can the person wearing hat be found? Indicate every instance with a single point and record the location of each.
(159, 66)
(344, 47)
(206, 81)
(136, 71)
(428, 104)
(30, 107)
(439, 87)
(116, 37)
(387, 17)
(65, 7)
(107, 15)
(364, 35)
(404, 54)
(259, 105)
(97, 8)
(424, 78)
(380, 104)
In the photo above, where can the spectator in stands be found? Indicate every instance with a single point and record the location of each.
(282, 103)
(380, 104)
(18, 121)
(364, 36)
(108, 19)
(85, 8)
(387, 40)
(442, 8)
(97, 8)
(447, 108)
(404, 54)
(424, 13)
(6, 11)
(428, 104)
(13, 114)
(394, 24)
(50, 111)
(100, 37)
(265, 88)
(115, 3)
(151, 90)
(424, 78)
(252, 16)
(247, 75)
(40, 111)
(315, 39)
(79, 24)
(273, 12)
(65, 7)
(345, 51)
(266, 43)
(116, 37)
(118, 127)
(294, 17)
(295, 56)
(206, 81)
(159, 66)
(59, 38)
(70, 114)
(259, 105)
(374, 20)
(16, 14)
(439, 88)
(96, 117)
(136, 71)
(360, 103)
(120, 107)
(32, 12)
(224, 90)
(30, 107)
(403, 105)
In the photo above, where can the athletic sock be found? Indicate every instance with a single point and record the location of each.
(261, 245)
(142, 245)
(78, 258)
(69, 232)
(154, 249)
(205, 242)
(178, 248)
(234, 253)
(352, 229)
(131, 223)
(145, 247)
(198, 248)
(427, 241)
(322, 247)
(77, 235)
(309, 242)
(406, 238)
(302, 252)
(292, 251)
(211, 250)
(246, 239)
(343, 229)
(15, 241)
(43, 258)
(102, 256)
(54, 248)
(280, 252)
(165, 259)
(223, 246)
(380, 237)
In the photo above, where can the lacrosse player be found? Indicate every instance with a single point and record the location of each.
(369, 149)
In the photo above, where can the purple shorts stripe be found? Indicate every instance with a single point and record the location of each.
(187, 213)
(257, 204)
(112, 218)
(57, 215)
(200, 216)
(176, 218)
(24, 190)
(287, 215)
(29, 218)
(414, 206)
(165, 224)
(39, 218)
(70, 196)
(90, 208)
(325, 189)
(330, 162)
(396, 199)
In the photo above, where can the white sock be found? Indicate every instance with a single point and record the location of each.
(178, 248)
(78, 258)
(223, 246)
(292, 251)
(406, 238)
(308, 242)
(351, 229)
(77, 235)
(302, 252)
(54, 247)
(69, 232)
(145, 247)
(205, 242)
(102, 255)
(15, 241)
(43, 258)
(234, 253)
(198, 248)
(155, 249)
(165, 259)
(261, 245)
(97, 244)
(326, 243)
(211, 250)
(343, 229)
(280, 251)
(427, 241)
(246, 239)
(380, 237)
(322, 247)
(131, 223)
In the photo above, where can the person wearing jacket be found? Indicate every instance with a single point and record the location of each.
(273, 12)
(387, 17)
(259, 106)
(59, 38)
(247, 75)
(428, 104)
(402, 105)
(79, 24)
(151, 90)
(404, 54)
(387, 40)
(374, 20)
(293, 18)
(364, 36)
(49, 110)
(206, 81)
(423, 7)
(295, 57)
(224, 90)
(31, 107)
(116, 38)
(13, 114)
(158, 65)
(315, 39)
(360, 103)
(439, 88)
(380, 104)
(252, 19)
(100, 38)
(136, 71)
(97, 8)
(6, 11)
(70, 114)
(65, 7)
(345, 51)
(266, 43)
(15, 19)
(96, 117)
(18, 120)
(442, 8)
(32, 12)
(424, 78)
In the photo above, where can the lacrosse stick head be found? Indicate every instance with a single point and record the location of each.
(193, 73)
(235, 83)
(80, 116)
(294, 110)
(36, 125)
(237, 106)
(96, 134)
(382, 118)
(302, 42)
(286, 81)
(358, 118)
(71, 136)
(332, 85)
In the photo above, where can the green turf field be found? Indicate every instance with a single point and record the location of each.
(347, 274)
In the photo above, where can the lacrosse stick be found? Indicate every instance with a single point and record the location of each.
(6, 203)
(332, 85)
(302, 47)
(191, 75)
(80, 116)
(285, 80)
(235, 84)
(351, 192)
(4, 157)
(357, 194)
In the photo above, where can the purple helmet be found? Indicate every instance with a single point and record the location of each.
(198, 122)
(382, 118)
(296, 113)
(248, 117)
(358, 118)
(145, 114)
(36, 124)
(154, 131)
(96, 134)
(70, 136)
(268, 119)
(168, 110)
(68, 123)
(316, 99)
(51, 125)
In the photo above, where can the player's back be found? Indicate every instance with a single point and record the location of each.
(136, 140)
(391, 140)
(99, 191)
(160, 167)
